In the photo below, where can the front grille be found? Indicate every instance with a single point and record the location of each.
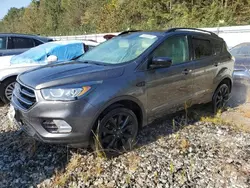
(24, 96)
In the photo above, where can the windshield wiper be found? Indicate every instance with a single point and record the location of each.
(93, 62)
(100, 64)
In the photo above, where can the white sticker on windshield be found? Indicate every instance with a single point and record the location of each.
(147, 36)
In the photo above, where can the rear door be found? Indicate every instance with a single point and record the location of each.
(206, 62)
(21, 43)
(169, 88)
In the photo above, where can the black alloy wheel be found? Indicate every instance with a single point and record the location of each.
(117, 131)
(221, 97)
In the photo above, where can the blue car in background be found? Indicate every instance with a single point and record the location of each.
(241, 54)
(41, 55)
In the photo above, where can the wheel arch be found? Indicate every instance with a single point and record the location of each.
(125, 101)
(9, 77)
(225, 80)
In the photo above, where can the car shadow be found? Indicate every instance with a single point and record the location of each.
(173, 123)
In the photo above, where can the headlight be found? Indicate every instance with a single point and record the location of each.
(64, 94)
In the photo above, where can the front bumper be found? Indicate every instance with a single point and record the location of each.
(78, 114)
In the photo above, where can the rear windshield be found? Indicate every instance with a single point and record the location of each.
(120, 49)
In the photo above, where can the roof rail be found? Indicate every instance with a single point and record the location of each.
(194, 29)
(129, 31)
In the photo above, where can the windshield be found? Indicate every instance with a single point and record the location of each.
(241, 50)
(120, 49)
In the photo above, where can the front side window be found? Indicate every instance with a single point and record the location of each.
(202, 48)
(18, 43)
(2, 43)
(175, 48)
(120, 49)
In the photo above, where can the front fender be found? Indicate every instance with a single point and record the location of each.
(121, 98)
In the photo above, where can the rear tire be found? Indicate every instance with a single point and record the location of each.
(220, 98)
(6, 89)
(116, 132)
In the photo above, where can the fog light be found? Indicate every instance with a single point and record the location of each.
(50, 126)
(62, 126)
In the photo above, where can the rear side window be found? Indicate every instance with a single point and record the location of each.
(19, 42)
(175, 48)
(202, 48)
(2, 43)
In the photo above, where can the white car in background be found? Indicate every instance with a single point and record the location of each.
(11, 66)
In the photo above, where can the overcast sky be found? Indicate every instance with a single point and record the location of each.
(5, 5)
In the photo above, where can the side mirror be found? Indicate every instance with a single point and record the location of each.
(160, 62)
(52, 58)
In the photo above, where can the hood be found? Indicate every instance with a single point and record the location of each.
(242, 63)
(68, 73)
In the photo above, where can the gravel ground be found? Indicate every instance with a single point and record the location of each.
(168, 155)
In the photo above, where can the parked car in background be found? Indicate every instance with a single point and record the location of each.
(38, 56)
(108, 94)
(14, 44)
(241, 54)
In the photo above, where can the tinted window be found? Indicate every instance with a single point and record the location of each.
(202, 48)
(176, 48)
(2, 43)
(18, 42)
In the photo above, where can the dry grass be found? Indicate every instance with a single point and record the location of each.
(184, 145)
(133, 162)
(61, 178)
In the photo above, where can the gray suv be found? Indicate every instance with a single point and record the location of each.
(14, 44)
(111, 92)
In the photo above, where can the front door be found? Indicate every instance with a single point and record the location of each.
(168, 89)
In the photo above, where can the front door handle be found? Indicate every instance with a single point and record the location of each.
(186, 71)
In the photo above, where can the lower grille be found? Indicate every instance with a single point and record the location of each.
(24, 96)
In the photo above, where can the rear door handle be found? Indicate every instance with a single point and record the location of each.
(186, 71)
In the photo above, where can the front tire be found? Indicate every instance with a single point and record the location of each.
(220, 98)
(6, 89)
(116, 132)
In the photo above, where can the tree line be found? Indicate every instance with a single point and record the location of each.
(72, 17)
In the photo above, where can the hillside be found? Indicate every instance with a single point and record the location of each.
(67, 17)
